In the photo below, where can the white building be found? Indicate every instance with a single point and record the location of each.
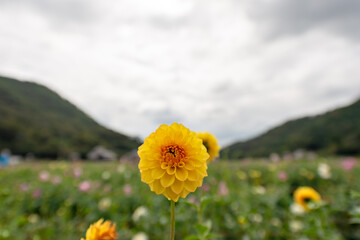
(101, 153)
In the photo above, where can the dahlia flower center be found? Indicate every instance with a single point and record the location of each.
(173, 156)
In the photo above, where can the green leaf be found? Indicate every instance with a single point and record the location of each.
(213, 236)
(355, 211)
(208, 224)
(202, 229)
(355, 221)
(204, 201)
(354, 194)
(192, 237)
(191, 204)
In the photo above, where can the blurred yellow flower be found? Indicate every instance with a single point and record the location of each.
(101, 231)
(241, 220)
(210, 142)
(255, 174)
(303, 195)
(241, 175)
(173, 161)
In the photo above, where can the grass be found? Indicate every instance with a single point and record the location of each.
(239, 200)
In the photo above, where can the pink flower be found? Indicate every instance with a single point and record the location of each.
(77, 172)
(127, 189)
(192, 199)
(348, 163)
(56, 180)
(36, 193)
(44, 176)
(24, 187)
(84, 186)
(282, 176)
(223, 189)
(205, 187)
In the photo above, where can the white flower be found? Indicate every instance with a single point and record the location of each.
(5, 233)
(324, 171)
(121, 168)
(296, 226)
(106, 175)
(303, 238)
(260, 190)
(139, 212)
(257, 218)
(297, 209)
(246, 237)
(33, 218)
(104, 204)
(140, 236)
(276, 222)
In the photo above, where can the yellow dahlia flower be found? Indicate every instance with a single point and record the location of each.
(210, 142)
(173, 161)
(303, 195)
(101, 231)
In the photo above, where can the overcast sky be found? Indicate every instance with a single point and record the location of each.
(232, 67)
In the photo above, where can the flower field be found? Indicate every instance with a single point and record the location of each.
(238, 200)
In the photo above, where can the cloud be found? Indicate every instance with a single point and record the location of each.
(286, 18)
(133, 64)
(58, 12)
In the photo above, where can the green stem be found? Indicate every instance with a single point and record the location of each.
(172, 228)
(199, 215)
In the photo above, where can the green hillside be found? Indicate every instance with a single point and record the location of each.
(34, 119)
(335, 133)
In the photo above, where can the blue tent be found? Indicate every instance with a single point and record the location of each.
(4, 159)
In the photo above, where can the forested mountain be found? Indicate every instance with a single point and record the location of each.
(333, 133)
(34, 119)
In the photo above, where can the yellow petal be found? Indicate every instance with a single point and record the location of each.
(171, 170)
(181, 174)
(146, 176)
(167, 180)
(198, 163)
(178, 136)
(199, 182)
(190, 185)
(164, 165)
(177, 186)
(158, 188)
(189, 166)
(193, 175)
(148, 164)
(171, 195)
(157, 173)
(202, 171)
(184, 193)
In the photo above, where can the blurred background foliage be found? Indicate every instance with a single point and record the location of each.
(244, 200)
